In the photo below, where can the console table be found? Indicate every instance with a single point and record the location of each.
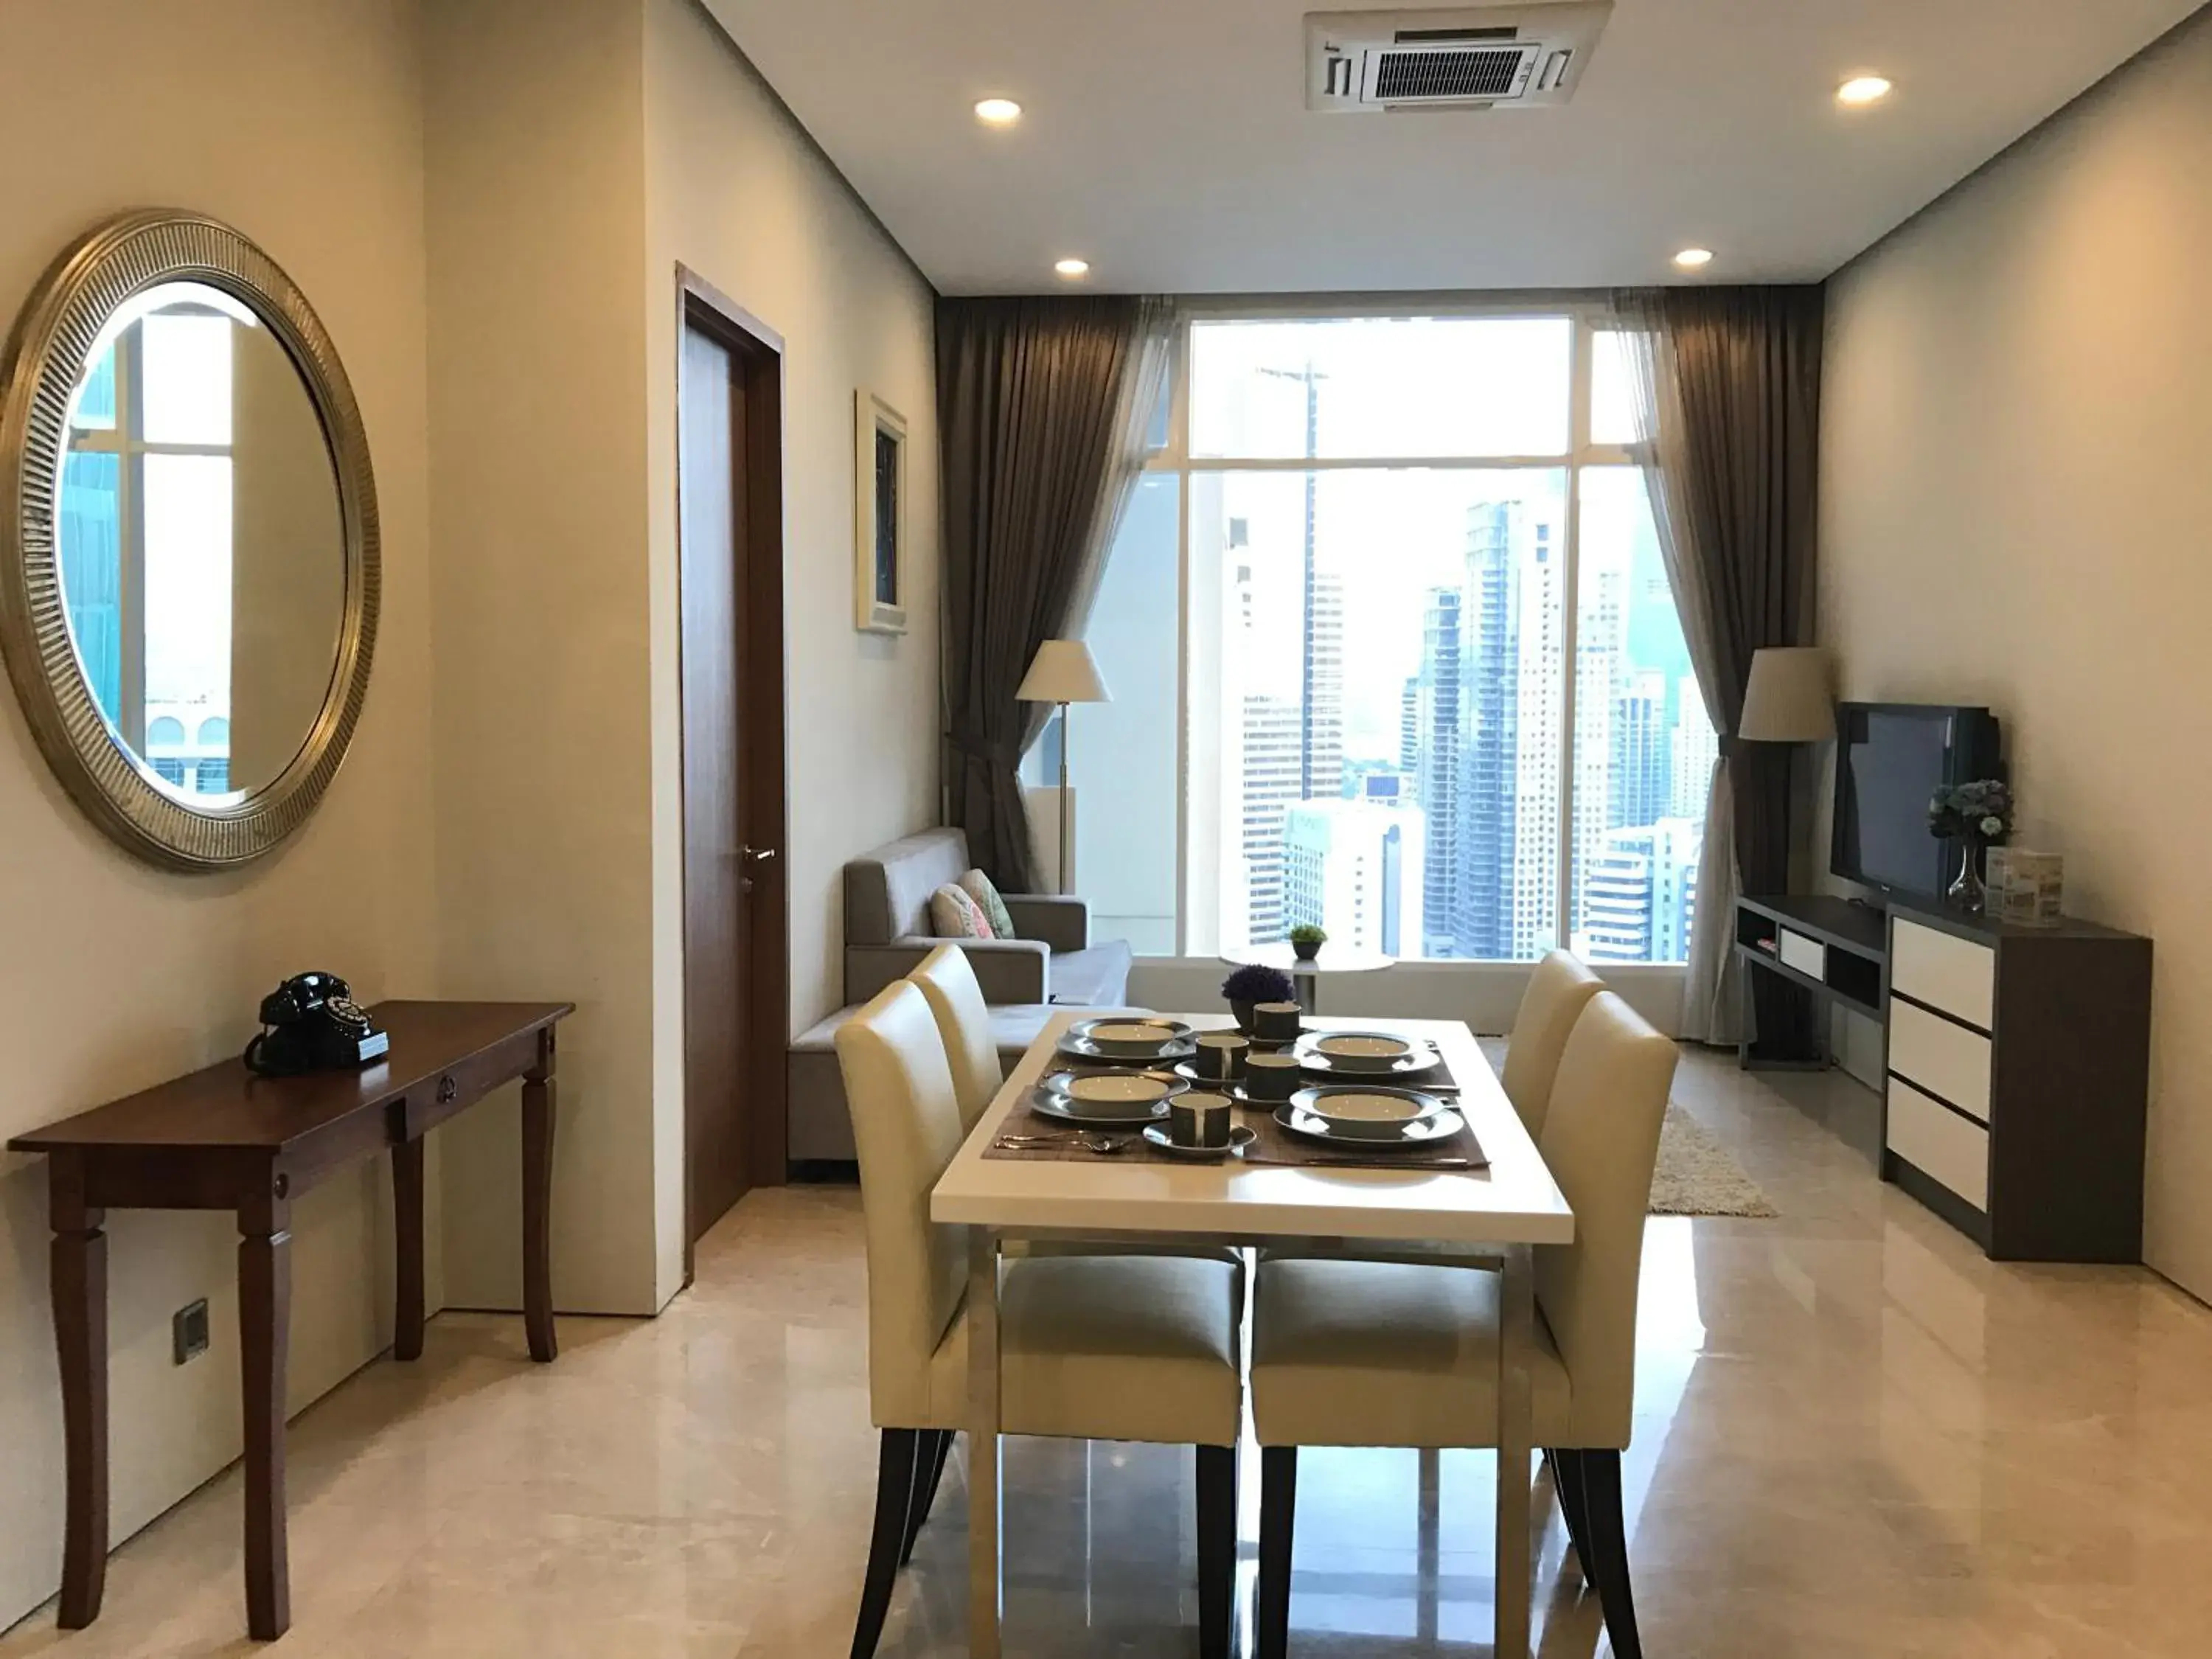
(1830, 949)
(223, 1139)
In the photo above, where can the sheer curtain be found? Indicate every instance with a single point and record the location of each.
(1727, 391)
(1042, 411)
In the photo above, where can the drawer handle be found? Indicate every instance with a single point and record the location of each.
(447, 1090)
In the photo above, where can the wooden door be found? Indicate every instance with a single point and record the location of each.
(730, 576)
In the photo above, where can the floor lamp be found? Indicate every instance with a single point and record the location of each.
(1064, 672)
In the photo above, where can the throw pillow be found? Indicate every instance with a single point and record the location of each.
(981, 888)
(953, 914)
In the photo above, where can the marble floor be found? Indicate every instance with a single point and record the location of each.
(1855, 1437)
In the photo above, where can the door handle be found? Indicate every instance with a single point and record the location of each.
(756, 854)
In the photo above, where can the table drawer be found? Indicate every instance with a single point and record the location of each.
(1946, 1060)
(1939, 1143)
(1807, 956)
(1944, 971)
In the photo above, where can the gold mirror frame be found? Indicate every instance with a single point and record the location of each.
(45, 359)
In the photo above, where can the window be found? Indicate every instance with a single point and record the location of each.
(1433, 694)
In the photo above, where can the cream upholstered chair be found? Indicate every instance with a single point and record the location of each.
(947, 979)
(1557, 993)
(1091, 1347)
(1397, 1354)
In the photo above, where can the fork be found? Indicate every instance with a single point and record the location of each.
(1099, 1145)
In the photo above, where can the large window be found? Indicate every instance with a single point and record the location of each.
(1433, 693)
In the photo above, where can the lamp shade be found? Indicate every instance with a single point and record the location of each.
(1788, 699)
(1064, 671)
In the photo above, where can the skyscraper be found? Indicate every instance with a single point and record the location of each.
(1642, 761)
(1354, 868)
(1435, 693)
(1693, 748)
(1642, 896)
(1324, 687)
(1272, 732)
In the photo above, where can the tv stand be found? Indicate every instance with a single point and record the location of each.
(1831, 950)
(2016, 1062)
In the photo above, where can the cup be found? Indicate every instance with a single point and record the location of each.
(1198, 1120)
(1273, 1077)
(1220, 1056)
(1277, 1022)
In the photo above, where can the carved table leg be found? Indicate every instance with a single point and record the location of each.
(537, 1117)
(264, 1321)
(407, 1225)
(80, 1297)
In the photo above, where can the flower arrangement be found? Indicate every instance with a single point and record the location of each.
(1255, 983)
(1306, 933)
(1979, 811)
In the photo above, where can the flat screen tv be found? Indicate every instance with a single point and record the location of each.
(1890, 758)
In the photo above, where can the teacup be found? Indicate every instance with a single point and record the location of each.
(1220, 1056)
(1277, 1022)
(1271, 1077)
(1198, 1120)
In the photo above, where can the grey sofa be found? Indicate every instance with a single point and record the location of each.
(1052, 965)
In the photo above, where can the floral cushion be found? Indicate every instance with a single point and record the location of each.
(981, 888)
(954, 915)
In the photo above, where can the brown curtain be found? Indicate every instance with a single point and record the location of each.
(1729, 414)
(1041, 410)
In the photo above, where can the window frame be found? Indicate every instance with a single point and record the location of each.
(1589, 318)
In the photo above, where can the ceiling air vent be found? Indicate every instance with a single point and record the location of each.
(1497, 57)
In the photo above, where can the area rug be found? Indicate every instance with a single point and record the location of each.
(1697, 1176)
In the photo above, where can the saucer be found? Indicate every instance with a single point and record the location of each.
(1240, 1136)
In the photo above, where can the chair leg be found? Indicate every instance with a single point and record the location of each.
(1278, 1504)
(895, 1472)
(928, 1470)
(1216, 1551)
(1600, 1479)
(1567, 1482)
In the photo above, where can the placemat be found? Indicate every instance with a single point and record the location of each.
(1273, 1143)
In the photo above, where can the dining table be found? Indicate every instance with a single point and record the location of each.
(1503, 1207)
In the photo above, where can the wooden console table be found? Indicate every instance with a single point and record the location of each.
(223, 1139)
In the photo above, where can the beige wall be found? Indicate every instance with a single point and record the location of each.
(2016, 506)
(302, 124)
(537, 497)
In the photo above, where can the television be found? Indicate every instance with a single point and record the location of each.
(1890, 758)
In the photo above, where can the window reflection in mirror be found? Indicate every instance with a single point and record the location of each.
(201, 544)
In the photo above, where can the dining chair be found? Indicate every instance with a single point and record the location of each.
(1091, 1347)
(948, 980)
(1377, 1353)
(1557, 993)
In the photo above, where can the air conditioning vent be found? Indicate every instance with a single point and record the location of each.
(1432, 72)
(1483, 57)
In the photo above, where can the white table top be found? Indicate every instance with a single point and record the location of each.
(1515, 1201)
(1332, 959)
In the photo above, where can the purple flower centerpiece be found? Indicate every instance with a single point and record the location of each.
(1253, 983)
(1978, 816)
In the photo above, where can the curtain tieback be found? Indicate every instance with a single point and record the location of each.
(989, 750)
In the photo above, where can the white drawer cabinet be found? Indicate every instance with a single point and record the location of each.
(2017, 1076)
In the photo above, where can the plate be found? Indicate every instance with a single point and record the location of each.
(1421, 1131)
(1076, 1048)
(1060, 1110)
(1240, 1137)
(1104, 1090)
(1366, 1111)
(1361, 1051)
(1423, 1058)
(1129, 1036)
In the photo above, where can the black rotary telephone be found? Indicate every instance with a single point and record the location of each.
(311, 1023)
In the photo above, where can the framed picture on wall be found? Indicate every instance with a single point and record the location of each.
(879, 516)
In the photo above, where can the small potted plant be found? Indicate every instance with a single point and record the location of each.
(1978, 816)
(1253, 983)
(1306, 941)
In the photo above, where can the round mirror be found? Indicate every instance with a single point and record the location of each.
(189, 601)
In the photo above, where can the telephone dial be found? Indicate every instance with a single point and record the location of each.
(311, 1023)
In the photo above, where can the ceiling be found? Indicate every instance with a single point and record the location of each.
(1167, 141)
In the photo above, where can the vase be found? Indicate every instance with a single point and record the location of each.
(1967, 892)
(1243, 1012)
(1306, 949)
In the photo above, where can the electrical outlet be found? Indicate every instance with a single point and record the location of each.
(188, 1331)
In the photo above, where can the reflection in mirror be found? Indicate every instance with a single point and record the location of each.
(202, 547)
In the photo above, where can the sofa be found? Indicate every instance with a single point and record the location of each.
(1049, 966)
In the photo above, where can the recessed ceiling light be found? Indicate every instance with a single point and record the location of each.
(1073, 267)
(1694, 259)
(998, 111)
(1862, 89)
